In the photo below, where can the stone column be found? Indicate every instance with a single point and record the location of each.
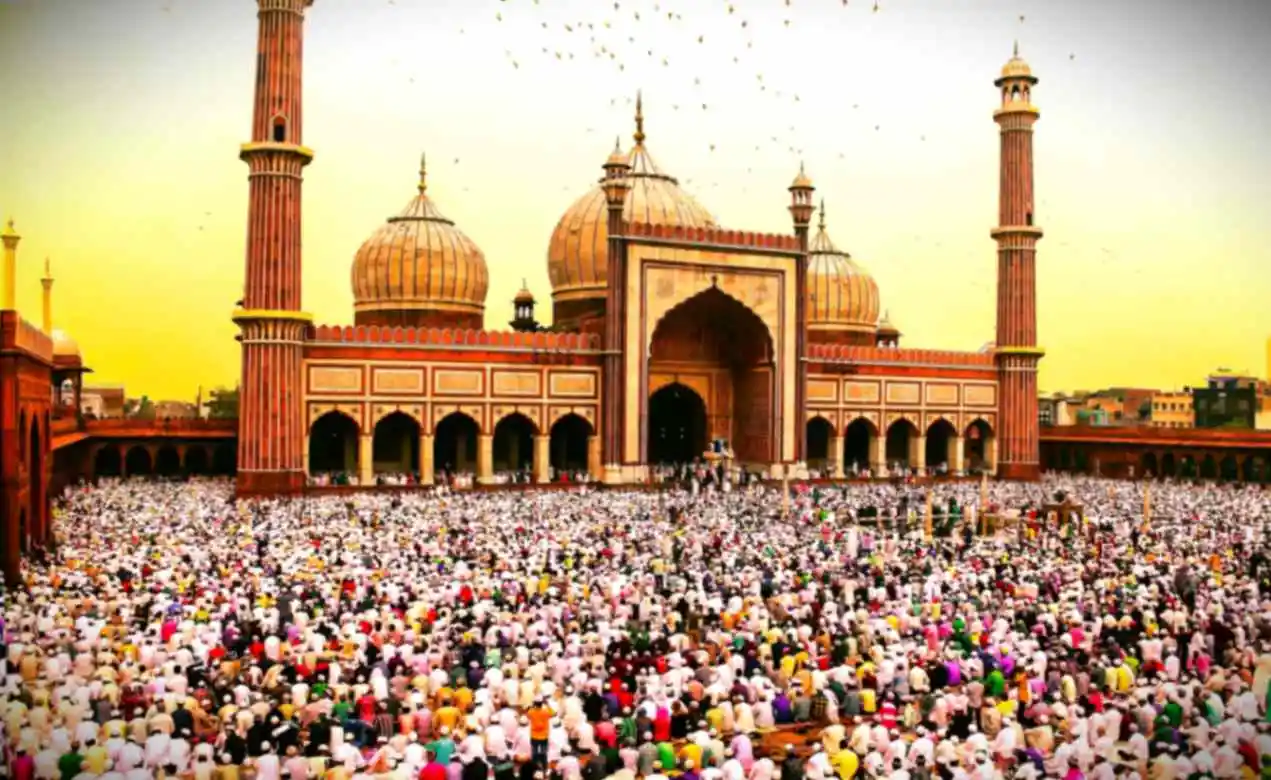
(918, 452)
(542, 459)
(877, 455)
(957, 454)
(990, 454)
(595, 468)
(306, 458)
(485, 458)
(836, 456)
(426, 465)
(365, 464)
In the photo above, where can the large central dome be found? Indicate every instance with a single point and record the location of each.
(578, 255)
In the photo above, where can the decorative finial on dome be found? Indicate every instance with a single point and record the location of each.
(48, 269)
(821, 222)
(423, 173)
(9, 229)
(1016, 47)
(639, 117)
(617, 144)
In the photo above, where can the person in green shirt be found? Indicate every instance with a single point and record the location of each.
(666, 756)
(70, 765)
(995, 685)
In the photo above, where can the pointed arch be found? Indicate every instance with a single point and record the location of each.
(395, 444)
(455, 443)
(1168, 469)
(107, 461)
(858, 441)
(819, 432)
(977, 446)
(196, 460)
(138, 462)
(1208, 467)
(225, 459)
(569, 436)
(942, 445)
(677, 425)
(167, 461)
(333, 443)
(1149, 465)
(514, 443)
(1229, 468)
(901, 436)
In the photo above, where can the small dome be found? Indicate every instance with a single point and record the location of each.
(885, 328)
(64, 346)
(577, 257)
(419, 269)
(801, 182)
(1015, 67)
(841, 295)
(524, 295)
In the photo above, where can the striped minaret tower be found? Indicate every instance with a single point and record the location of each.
(1017, 236)
(271, 430)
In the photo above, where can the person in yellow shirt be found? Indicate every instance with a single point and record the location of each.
(845, 763)
(691, 752)
(446, 716)
(463, 696)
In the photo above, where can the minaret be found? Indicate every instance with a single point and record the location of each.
(1017, 352)
(801, 212)
(47, 283)
(10, 238)
(616, 185)
(271, 425)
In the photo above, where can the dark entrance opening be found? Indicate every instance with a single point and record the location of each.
(677, 425)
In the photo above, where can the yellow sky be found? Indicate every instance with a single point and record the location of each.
(122, 118)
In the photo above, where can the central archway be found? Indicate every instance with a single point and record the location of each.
(719, 347)
(677, 425)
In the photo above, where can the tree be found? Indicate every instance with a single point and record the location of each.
(139, 408)
(222, 404)
(1145, 409)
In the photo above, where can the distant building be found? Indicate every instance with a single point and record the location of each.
(1173, 409)
(175, 410)
(1229, 399)
(102, 401)
(1058, 409)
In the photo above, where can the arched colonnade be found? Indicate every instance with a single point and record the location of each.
(456, 443)
(939, 447)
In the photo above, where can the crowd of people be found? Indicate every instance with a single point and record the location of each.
(584, 634)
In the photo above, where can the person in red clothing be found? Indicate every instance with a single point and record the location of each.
(432, 770)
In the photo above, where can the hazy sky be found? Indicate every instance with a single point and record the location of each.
(122, 120)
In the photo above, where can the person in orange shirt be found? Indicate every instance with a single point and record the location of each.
(540, 718)
(446, 716)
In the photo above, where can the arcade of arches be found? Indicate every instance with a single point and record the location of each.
(860, 447)
(166, 459)
(456, 444)
(710, 378)
(1222, 465)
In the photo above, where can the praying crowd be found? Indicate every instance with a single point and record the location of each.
(825, 632)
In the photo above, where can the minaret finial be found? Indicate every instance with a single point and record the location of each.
(423, 173)
(1016, 47)
(48, 268)
(821, 224)
(639, 117)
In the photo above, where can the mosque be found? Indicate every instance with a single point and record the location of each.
(671, 335)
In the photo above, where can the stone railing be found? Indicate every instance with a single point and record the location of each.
(740, 239)
(450, 338)
(847, 353)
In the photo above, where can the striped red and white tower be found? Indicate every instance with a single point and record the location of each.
(1017, 236)
(270, 417)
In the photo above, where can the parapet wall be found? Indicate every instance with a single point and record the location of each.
(731, 239)
(446, 338)
(18, 334)
(850, 353)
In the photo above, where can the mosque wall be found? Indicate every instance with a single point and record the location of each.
(664, 274)
(26, 401)
(539, 388)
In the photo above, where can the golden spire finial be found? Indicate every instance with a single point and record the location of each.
(639, 117)
(423, 173)
(617, 144)
(821, 224)
(48, 269)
